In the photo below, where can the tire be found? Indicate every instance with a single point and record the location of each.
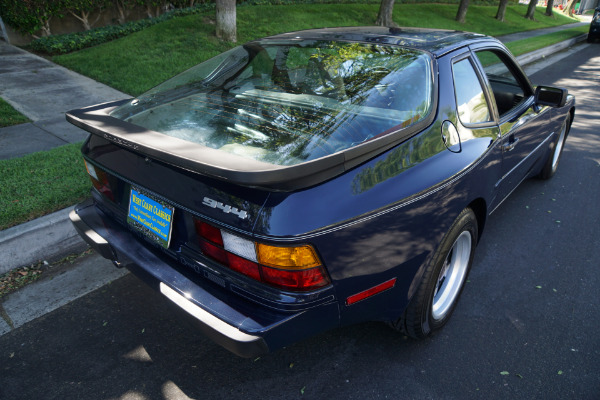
(556, 150)
(443, 280)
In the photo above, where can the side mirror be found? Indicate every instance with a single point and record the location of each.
(550, 96)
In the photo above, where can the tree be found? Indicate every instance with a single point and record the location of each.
(569, 8)
(153, 7)
(531, 10)
(502, 10)
(549, 8)
(123, 9)
(461, 15)
(226, 24)
(81, 10)
(384, 16)
(42, 11)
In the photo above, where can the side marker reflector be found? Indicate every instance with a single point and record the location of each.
(355, 298)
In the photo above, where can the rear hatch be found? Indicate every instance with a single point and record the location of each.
(277, 114)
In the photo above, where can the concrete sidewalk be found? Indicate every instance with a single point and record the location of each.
(43, 92)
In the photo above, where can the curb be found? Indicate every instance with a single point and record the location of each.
(47, 238)
(536, 55)
(53, 236)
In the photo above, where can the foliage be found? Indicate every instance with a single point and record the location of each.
(29, 16)
(67, 43)
(16, 14)
(17, 278)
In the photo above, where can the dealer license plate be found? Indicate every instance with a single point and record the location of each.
(151, 216)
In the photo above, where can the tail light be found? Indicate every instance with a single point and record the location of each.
(99, 180)
(296, 268)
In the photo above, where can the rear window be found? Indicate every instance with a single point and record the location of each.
(289, 102)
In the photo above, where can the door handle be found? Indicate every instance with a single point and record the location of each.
(510, 146)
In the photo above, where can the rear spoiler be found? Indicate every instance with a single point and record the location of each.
(227, 166)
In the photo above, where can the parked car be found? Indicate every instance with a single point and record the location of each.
(317, 179)
(594, 33)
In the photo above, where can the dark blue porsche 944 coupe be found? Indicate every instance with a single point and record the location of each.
(316, 179)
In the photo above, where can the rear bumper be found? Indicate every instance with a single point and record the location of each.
(241, 326)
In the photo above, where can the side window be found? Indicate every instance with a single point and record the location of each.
(508, 93)
(471, 102)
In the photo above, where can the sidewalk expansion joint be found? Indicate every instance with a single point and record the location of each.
(35, 123)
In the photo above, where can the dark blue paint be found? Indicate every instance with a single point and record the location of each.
(381, 220)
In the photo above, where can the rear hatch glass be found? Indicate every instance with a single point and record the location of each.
(288, 102)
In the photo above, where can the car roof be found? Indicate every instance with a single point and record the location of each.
(435, 41)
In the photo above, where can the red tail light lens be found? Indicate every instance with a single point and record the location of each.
(99, 180)
(296, 268)
(244, 266)
(303, 280)
(209, 232)
(214, 252)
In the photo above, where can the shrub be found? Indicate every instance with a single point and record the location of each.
(29, 16)
(66, 43)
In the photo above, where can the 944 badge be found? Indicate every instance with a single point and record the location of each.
(227, 209)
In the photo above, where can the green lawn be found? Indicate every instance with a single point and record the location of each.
(523, 46)
(40, 183)
(9, 116)
(136, 63)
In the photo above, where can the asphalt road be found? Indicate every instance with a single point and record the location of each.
(526, 326)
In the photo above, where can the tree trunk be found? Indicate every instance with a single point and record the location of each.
(84, 19)
(45, 24)
(531, 10)
(226, 24)
(569, 8)
(122, 18)
(461, 15)
(384, 16)
(550, 8)
(501, 10)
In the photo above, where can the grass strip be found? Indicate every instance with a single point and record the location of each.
(17, 278)
(523, 46)
(138, 62)
(40, 183)
(9, 116)
(14, 280)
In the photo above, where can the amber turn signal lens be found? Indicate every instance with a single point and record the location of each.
(301, 257)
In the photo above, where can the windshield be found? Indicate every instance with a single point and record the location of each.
(289, 102)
